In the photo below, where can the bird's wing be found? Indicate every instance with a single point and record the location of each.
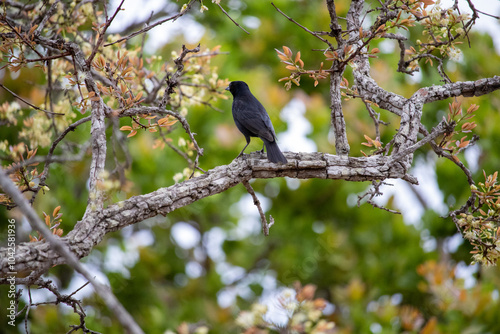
(253, 116)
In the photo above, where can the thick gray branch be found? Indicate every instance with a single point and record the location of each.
(337, 116)
(92, 229)
(97, 130)
(465, 88)
(371, 91)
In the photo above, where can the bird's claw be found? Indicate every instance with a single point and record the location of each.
(243, 156)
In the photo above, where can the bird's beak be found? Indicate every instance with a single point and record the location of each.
(227, 88)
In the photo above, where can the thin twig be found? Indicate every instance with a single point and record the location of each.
(48, 57)
(147, 28)
(23, 38)
(375, 117)
(192, 164)
(441, 128)
(306, 29)
(28, 103)
(484, 13)
(68, 300)
(239, 26)
(373, 192)
(263, 220)
(102, 34)
(47, 16)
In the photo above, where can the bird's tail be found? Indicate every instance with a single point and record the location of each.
(273, 152)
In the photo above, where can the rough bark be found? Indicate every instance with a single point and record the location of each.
(92, 229)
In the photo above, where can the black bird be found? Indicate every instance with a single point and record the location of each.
(252, 120)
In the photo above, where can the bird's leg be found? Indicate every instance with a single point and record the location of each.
(262, 151)
(241, 153)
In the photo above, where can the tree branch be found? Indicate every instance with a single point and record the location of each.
(58, 248)
(149, 27)
(263, 220)
(306, 29)
(102, 34)
(236, 23)
(30, 104)
(464, 88)
(92, 228)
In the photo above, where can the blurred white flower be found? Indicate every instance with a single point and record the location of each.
(245, 319)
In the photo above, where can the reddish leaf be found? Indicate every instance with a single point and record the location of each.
(56, 211)
(427, 2)
(288, 52)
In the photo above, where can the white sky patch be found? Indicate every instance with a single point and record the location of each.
(494, 295)
(142, 238)
(185, 235)
(245, 206)
(229, 274)
(425, 171)
(396, 299)
(472, 155)
(295, 137)
(40, 295)
(140, 11)
(387, 46)
(376, 327)
(406, 200)
(78, 280)
(226, 297)
(199, 254)
(251, 22)
(212, 242)
(466, 272)
(118, 259)
(427, 242)
(135, 11)
(248, 216)
(292, 184)
(452, 243)
(415, 78)
(191, 30)
(194, 269)
(484, 23)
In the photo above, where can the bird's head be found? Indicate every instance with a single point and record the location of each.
(237, 87)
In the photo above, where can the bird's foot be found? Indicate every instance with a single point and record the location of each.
(258, 152)
(242, 155)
